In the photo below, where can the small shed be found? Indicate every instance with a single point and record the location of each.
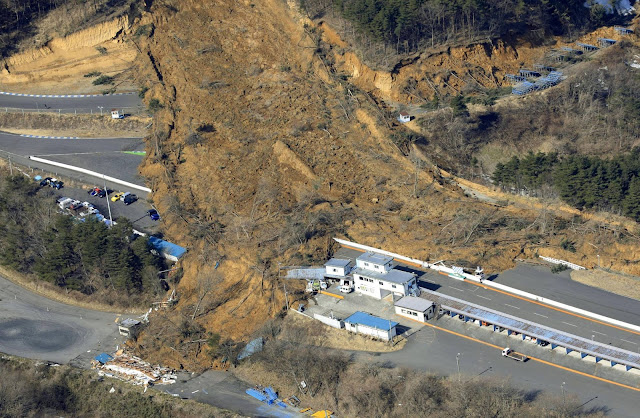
(115, 114)
(337, 267)
(363, 323)
(167, 249)
(129, 327)
(415, 308)
(404, 117)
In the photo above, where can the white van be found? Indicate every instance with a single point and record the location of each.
(345, 288)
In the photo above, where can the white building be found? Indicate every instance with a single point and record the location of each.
(337, 267)
(363, 323)
(374, 277)
(404, 117)
(415, 308)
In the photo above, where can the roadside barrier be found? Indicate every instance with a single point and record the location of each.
(91, 173)
(450, 272)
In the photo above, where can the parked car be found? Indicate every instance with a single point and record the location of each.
(345, 288)
(117, 196)
(56, 184)
(45, 181)
(153, 214)
(129, 199)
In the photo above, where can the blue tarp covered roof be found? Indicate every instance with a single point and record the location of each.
(166, 247)
(371, 321)
(103, 358)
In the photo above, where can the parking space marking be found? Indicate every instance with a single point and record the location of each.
(544, 316)
(601, 333)
(483, 297)
(567, 323)
(537, 359)
(514, 307)
(631, 342)
(455, 288)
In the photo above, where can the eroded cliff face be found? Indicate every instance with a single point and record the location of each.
(260, 154)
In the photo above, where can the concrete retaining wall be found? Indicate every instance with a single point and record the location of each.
(335, 323)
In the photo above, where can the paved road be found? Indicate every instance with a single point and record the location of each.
(71, 104)
(35, 327)
(103, 155)
(570, 292)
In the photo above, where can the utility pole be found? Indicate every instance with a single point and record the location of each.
(107, 196)
(458, 364)
(10, 166)
(563, 397)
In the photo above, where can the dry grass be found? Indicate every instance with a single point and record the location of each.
(617, 283)
(322, 335)
(59, 295)
(84, 126)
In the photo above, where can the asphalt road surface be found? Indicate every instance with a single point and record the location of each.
(35, 327)
(103, 155)
(87, 104)
(558, 288)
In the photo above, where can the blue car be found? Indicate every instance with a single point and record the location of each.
(153, 214)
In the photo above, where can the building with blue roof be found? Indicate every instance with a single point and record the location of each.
(167, 249)
(363, 323)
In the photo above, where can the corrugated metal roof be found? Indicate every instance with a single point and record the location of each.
(532, 329)
(371, 321)
(306, 273)
(412, 302)
(375, 258)
(337, 262)
(167, 247)
(129, 322)
(393, 275)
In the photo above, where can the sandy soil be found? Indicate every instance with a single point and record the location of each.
(617, 283)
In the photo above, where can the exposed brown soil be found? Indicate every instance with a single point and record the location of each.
(618, 283)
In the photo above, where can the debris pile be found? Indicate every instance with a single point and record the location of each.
(134, 370)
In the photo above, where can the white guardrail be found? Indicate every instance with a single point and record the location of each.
(465, 276)
(563, 262)
(91, 173)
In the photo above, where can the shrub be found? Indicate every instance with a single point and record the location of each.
(102, 50)
(93, 74)
(142, 92)
(558, 268)
(155, 105)
(103, 79)
(567, 245)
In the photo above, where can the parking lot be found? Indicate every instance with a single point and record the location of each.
(135, 212)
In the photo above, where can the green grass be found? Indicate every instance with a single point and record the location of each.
(135, 152)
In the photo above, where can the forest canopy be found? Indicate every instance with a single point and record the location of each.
(417, 22)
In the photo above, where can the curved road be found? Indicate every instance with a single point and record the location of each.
(68, 104)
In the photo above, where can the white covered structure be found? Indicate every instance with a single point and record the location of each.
(415, 308)
(375, 277)
(337, 267)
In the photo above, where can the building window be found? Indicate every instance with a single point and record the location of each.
(415, 313)
(335, 270)
(393, 286)
(366, 264)
(381, 283)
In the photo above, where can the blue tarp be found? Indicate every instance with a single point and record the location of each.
(254, 346)
(370, 321)
(166, 247)
(103, 358)
(257, 394)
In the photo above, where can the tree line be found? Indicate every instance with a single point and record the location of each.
(84, 256)
(581, 181)
(415, 22)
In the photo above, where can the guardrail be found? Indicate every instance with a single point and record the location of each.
(91, 173)
(449, 272)
(563, 262)
(137, 110)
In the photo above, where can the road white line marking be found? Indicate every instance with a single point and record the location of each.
(569, 324)
(599, 332)
(483, 297)
(544, 316)
(429, 281)
(628, 341)
(514, 307)
(459, 290)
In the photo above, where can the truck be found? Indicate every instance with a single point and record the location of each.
(507, 352)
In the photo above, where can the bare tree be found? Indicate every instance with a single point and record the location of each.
(204, 286)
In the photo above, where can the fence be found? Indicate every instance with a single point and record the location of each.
(563, 262)
(127, 111)
(332, 322)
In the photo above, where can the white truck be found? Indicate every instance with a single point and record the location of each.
(507, 352)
